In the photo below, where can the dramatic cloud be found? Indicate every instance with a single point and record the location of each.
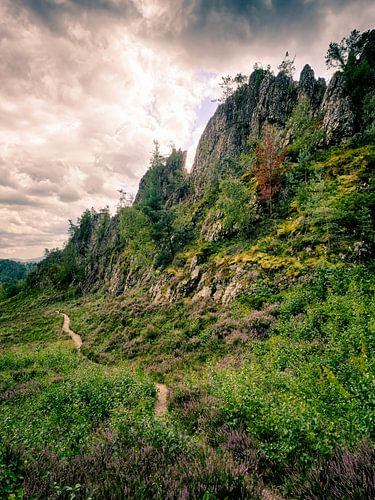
(86, 86)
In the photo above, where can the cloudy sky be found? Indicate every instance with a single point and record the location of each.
(87, 85)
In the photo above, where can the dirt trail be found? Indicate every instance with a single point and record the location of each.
(66, 328)
(161, 405)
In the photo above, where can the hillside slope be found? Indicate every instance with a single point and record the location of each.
(246, 287)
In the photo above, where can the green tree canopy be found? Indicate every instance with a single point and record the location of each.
(354, 56)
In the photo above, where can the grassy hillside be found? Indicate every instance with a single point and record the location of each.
(274, 389)
(275, 396)
(65, 416)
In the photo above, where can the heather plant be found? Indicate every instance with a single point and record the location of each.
(345, 474)
(54, 401)
(140, 469)
(143, 457)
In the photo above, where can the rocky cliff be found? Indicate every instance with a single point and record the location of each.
(264, 99)
(268, 99)
(337, 111)
(170, 211)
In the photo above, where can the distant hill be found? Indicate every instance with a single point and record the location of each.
(31, 261)
(11, 271)
(12, 274)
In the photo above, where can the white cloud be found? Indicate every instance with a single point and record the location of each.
(85, 88)
(79, 116)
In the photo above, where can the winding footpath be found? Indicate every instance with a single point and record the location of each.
(161, 405)
(66, 328)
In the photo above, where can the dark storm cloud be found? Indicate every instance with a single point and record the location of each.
(205, 31)
(217, 23)
(263, 13)
(50, 11)
(233, 19)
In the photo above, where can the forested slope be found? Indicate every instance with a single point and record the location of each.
(12, 276)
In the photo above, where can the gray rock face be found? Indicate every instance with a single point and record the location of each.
(264, 99)
(220, 284)
(212, 228)
(277, 97)
(269, 99)
(338, 112)
(310, 88)
(225, 136)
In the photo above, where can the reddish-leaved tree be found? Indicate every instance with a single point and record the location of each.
(269, 157)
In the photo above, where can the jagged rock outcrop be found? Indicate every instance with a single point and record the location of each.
(277, 97)
(225, 135)
(310, 88)
(213, 228)
(220, 283)
(96, 247)
(264, 99)
(337, 111)
(267, 99)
